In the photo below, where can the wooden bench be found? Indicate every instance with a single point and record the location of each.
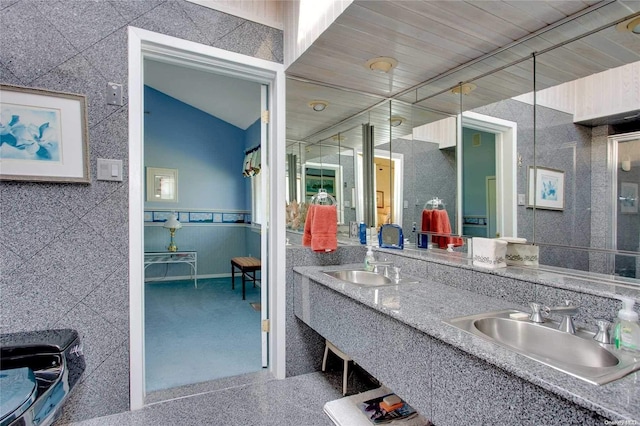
(248, 267)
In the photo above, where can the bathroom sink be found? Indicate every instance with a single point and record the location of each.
(363, 278)
(366, 278)
(575, 354)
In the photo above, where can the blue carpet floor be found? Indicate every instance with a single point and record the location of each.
(196, 335)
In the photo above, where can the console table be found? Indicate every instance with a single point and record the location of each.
(188, 257)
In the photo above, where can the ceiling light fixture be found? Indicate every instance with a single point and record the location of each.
(338, 138)
(318, 106)
(465, 88)
(381, 64)
(396, 120)
(631, 25)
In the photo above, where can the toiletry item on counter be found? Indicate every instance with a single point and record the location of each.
(391, 236)
(489, 252)
(627, 328)
(368, 259)
(363, 233)
(520, 253)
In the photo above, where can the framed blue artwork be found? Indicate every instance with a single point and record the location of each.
(39, 126)
(545, 188)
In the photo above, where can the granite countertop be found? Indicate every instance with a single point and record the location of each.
(427, 304)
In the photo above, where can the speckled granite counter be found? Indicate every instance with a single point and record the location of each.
(423, 307)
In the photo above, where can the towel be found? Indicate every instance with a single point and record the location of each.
(321, 228)
(306, 237)
(437, 221)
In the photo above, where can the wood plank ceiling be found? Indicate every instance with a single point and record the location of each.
(442, 43)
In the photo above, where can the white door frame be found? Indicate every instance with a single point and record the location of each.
(506, 168)
(147, 44)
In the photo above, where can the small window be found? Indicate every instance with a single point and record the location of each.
(257, 197)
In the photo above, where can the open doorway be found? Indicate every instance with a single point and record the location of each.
(200, 325)
(388, 187)
(479, 203)
(624, 223)
(494, 212)
(267, 232)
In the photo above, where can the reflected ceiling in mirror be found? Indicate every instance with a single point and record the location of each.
(501, 71)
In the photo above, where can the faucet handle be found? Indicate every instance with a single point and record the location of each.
(396, 273)
(603, 335)
(536, 314)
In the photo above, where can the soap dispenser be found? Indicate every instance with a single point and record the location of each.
(369, 259)
(627, 328)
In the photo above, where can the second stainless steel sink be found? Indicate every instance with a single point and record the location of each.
(364, 278)
(575, 354)
(367, 279)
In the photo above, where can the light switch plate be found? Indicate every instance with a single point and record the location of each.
(521, 199)
(110, 170)
(114, 94)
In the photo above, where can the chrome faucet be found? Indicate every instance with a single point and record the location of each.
(536, 314)
(567, 311)
(603, 335)
(381, 263)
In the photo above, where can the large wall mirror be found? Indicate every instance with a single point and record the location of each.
(538, 141)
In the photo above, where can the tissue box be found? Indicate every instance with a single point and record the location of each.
(522, 254)
(489, 253)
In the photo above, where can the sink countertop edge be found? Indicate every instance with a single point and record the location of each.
(604, 399)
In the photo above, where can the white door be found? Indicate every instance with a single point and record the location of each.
(264, 223)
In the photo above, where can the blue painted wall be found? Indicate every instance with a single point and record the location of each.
(208, 153)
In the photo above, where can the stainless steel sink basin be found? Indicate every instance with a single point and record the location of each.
(578, 355)
(366, 278)
(546, 342)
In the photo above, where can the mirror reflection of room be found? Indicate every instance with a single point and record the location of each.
(487, 142)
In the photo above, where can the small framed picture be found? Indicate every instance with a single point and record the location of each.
(162, 184)
(380, 199)
(628, 197)
(548, 187)
(44, 136)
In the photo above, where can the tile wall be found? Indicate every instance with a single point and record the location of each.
(64, 261)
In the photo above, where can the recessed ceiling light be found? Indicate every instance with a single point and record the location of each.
(465, 88)
(381, 64)
(396, 120)
(318, 106)
(631, 25)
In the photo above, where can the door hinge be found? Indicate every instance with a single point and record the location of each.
(265, 117)
(266, 326)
